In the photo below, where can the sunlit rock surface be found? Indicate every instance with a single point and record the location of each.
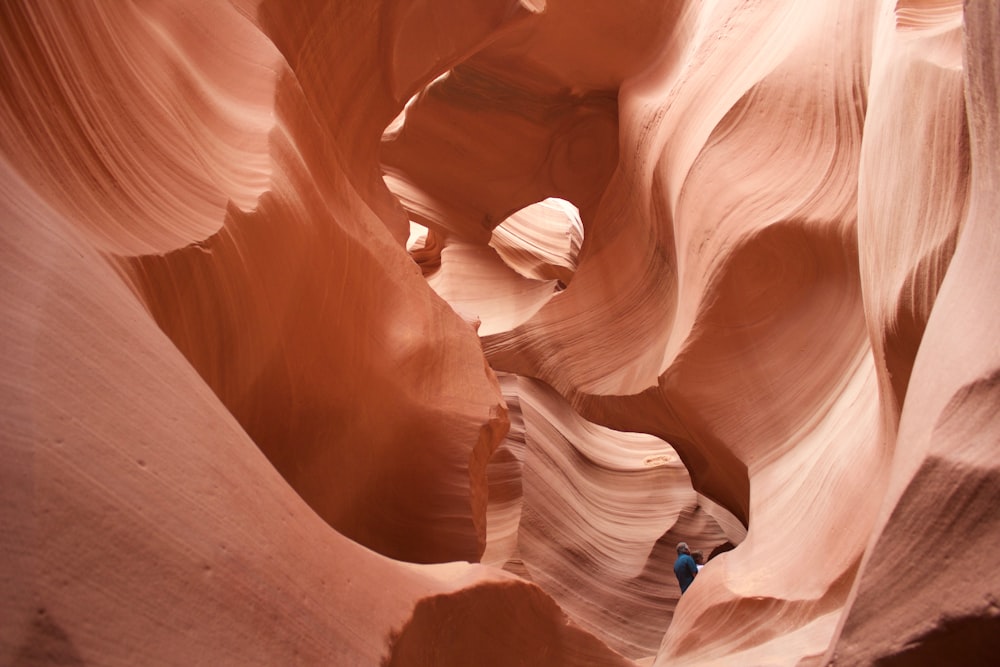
(420, 332)
(599, 515)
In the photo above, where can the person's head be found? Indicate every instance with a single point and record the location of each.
(682, 548)
(699, 557)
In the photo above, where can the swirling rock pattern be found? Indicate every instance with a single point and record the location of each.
(599, 516)
(250, 418)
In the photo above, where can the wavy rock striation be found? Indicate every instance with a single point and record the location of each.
(303, 361)
(598, 514)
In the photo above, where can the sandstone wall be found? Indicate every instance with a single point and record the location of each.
(249, 418)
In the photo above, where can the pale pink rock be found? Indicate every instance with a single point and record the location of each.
(182, 253)
(262, 263)
(597, 516)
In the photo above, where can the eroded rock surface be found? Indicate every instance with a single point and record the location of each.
(298, 368)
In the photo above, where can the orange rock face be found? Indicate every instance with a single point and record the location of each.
(420, 332)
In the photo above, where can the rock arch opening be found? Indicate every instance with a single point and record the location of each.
(590, 513)
(541, 241)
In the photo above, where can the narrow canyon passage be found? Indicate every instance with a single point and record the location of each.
(420, 332)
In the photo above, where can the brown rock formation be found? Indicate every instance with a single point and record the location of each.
(146, 183)
(928, 589)
(598, 514)
(247, 421)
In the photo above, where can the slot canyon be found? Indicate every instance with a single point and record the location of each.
(410, 333)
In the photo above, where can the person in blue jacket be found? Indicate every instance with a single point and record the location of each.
(684, 567)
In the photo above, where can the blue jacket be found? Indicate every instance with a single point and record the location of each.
(686, 570)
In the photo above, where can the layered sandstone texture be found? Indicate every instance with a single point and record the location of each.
(419, 332)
